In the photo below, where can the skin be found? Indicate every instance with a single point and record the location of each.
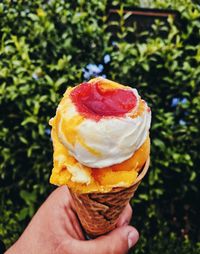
(55, 229)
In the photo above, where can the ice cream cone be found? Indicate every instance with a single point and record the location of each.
(99, 212)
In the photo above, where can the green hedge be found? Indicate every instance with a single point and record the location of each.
(46, 46)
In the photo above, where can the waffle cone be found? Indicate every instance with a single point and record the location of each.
(99, 212)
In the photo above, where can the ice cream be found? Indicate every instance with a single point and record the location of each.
(100, 137)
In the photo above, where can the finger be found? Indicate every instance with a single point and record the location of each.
(75, 224)
(60, 197)
(63, 198)
(119, 241)
(125, 217)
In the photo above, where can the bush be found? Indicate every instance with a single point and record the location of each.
(46, 46)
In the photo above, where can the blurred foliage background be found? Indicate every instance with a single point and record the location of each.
(46, 46)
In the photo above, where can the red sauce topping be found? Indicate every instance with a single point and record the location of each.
(94, 102)
(97, 174)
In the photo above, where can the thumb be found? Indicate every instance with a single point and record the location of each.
(119, 241)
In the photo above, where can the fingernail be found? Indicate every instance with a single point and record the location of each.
(133, 237)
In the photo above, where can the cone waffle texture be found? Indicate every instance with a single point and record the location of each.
(99, 212)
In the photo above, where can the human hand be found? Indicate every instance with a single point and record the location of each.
(55, 229)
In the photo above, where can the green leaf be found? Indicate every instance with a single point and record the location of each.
(28, 120)
(23, 140)
(23, 213)
(159, 143)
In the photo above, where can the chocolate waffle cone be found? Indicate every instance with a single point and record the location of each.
(99, 212)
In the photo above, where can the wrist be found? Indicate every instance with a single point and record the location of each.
(22, 246)
(15, 249)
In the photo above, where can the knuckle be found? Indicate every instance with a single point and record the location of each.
(116, 248)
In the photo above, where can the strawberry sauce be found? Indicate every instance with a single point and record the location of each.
(94, 102)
